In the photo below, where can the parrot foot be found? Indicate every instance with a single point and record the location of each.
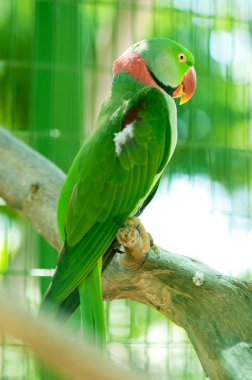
(136, 242)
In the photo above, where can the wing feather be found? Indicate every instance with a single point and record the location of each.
(105, 186)
(109, 183)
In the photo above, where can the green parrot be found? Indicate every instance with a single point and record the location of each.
(117, 171)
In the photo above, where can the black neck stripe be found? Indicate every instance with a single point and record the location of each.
(168, 89)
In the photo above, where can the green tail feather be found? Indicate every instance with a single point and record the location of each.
(71, 303)
(75, 263)
(92, 311)
(78, 275)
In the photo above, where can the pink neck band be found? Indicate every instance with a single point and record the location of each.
(135, 66)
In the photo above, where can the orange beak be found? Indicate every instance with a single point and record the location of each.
(187, 88)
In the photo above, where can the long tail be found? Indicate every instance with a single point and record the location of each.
(92, 311)
(79, 267)
(76, 262)
(70, 304)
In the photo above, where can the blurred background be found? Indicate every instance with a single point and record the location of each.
(55, 71)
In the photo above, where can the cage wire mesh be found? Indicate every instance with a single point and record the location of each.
(55, 71)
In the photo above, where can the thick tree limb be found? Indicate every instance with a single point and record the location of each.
(215, 310)
(55, 346)
(30, 184)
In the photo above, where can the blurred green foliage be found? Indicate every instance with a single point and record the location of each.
(16, 31)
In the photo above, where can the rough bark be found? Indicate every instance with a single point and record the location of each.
(30, 184)
(215, 310)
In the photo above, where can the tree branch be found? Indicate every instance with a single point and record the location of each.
(30, 184)
(55, 346)
(215, 310)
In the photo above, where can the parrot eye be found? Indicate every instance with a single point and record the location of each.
(182, 57)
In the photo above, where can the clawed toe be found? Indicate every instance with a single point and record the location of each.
(128, 236)
(133, 235)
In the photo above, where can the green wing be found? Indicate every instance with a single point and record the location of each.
(103, 187)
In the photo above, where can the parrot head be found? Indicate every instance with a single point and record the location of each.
(162, 63)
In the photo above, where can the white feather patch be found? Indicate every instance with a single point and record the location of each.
(122, 137)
